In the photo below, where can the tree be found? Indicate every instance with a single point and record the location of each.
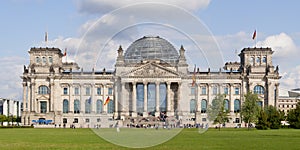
(250, 108)
(293, 117)
(274, 117)
(3, 118)
(262, 122)
(269, 117)
(216, 111)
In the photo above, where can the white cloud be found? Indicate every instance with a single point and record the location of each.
(282, 44)
(105, 6)
(12, 69)
(291, 79)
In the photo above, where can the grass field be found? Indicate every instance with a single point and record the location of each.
(187, 139)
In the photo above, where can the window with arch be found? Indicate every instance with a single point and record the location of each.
(99, 106)
(192, 106)
(37, 59)
(258, 60)
(50, 60)
(226, 105)
(258, 89)
(252, 61)
(264, 59)
(203, 106)
(65, 106)
(88, 106)
(76, 106)
(110, 107)
(43, 89)
(44, 60)
(237, 105)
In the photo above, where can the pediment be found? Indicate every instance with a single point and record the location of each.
(42, 97)
(151, 70)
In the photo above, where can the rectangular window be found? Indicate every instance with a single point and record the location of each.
(98, 119)
(226, 90)
(110, 91)
(203, 91)
(50, 60)
(237, 120)
(76, 91)
(65, 91)
(87, 120)
(43, 107)
(75, 120)
(87, 91)
(193, 91)
(236, 91)
(98, 91)
(204, 119)
(215, 90)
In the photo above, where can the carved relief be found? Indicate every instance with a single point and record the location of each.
(151, 70)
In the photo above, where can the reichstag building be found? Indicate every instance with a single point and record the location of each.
(150, 82)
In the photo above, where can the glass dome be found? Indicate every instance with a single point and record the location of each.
(151, 48)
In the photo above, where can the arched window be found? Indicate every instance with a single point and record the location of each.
(203, 106)
(44, 60)
(258, 60)
(76, 106)
(264, 59)
(50, 60)
(259, 90)
(37, 59)
(43, 89)
(65, 106)
(88, 106)
(237, 106)
(192, 106)
(99, 106)
(110, 107)
(226, 104)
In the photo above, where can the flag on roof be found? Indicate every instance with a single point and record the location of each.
(254, 35)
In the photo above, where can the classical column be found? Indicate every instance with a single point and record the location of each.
(198, 100)
(82, 101)
(125, 106)
(116, 98)
(134, 114)
(29, 98)
(24, 97)
(208, 94)
(34, 102)
(157, 98)
(51, 96)
(168, 96)
(276, 94)
(71, 99)
(177, 111)
(145, 114)
(104, 98)
(231, 97)
(92, 103)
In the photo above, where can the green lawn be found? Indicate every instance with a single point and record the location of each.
(187, 139)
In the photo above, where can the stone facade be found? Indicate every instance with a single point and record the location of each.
(150, 79)
(10, 107)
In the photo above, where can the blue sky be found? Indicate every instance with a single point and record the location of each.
(232, 23)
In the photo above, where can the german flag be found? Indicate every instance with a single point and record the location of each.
(107, 100)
